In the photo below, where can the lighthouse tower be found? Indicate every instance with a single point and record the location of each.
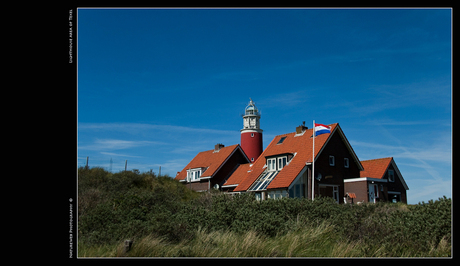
(251, 134)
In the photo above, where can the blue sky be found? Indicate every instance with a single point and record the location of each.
(157, 86)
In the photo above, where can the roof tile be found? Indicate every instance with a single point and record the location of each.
(238, 175)
(207, 159)
(300, 145)
(375, 168)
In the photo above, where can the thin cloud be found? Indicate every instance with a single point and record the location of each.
(115, 144)
(137, 128)
(120, 155)
(436, 153)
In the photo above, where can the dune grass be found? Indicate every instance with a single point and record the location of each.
(166, 219)
(320, 241)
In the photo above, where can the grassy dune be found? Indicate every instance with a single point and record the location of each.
(166, 219)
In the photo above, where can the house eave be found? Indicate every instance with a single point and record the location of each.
(360, 179)
(229, 186)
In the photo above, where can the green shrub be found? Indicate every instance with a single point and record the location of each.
(132, 205)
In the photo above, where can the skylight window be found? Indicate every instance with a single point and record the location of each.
(281, 140)
(263, 181)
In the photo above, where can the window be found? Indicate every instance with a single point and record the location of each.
(264, 180)
(271, 164)
(281, 140)
(258, 196)
(331, 160)
(296, 191)
(277, 194)
(193, 174)
(252, 135)
(346, 163)
(252, 159)
(391, 176)
(282, 162)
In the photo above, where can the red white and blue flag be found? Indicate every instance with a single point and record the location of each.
(321, 129)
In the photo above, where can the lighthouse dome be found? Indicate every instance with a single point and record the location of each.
(251, 109)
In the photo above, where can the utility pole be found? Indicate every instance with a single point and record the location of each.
(87, 158)
(126, 164)
(159, 172)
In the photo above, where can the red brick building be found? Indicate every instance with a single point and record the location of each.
(380, 180)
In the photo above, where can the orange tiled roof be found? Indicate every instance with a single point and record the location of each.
(300, 145)
(238, 175)
(375, 168)
(210, 159)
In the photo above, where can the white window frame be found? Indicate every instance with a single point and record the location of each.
(346, 163)
(391, 173)
(271, 164)
(280, 162)
(194, 174)
(333, 160)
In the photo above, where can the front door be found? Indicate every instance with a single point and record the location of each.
(371, 193)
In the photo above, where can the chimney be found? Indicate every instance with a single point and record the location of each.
(300, 129)
(218, 147)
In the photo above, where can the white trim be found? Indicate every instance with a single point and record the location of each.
(300, 134)
(359, 179)
(250, 130)
(192, 172)
(226, 186)
(278, 164)
(272, 164)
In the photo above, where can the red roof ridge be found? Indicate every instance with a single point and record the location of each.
(376, 159)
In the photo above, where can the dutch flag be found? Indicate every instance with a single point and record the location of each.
(321, 129)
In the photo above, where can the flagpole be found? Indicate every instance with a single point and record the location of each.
(313, 165)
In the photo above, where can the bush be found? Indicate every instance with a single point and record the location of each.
(131, 205)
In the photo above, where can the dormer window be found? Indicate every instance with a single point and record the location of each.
(276, 164)
(193, 174)
(271, 164)
(282, 162)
